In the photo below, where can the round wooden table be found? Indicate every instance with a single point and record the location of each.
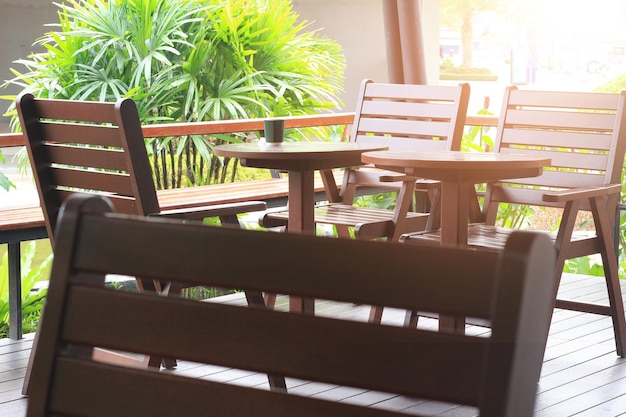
(458, 172)
(300, 160)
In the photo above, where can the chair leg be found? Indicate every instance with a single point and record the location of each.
(270, 300)
(376, 314)
(230, 220)
(343, 231)
(616, 302)
(411, 319)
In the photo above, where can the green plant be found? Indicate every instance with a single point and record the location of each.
(32, 298)
(382, 200)
(5, 183)
(185, 61)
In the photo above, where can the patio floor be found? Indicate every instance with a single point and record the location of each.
(581, 373)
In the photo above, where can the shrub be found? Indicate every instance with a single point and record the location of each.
(32, 298)
(186, 61)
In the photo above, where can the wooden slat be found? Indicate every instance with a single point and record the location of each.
(244, 125)
(408, 91)
(81, 134)
(20, 218)
(557, 139)
(561, 119)
(103, 158)
(76, 398)
(67, 110)
(574, 160)
(406, 109)
(213, 255)
(565, 99)
(349, 215)
(91, 180)
(122, 204)
(563, 179)
(415, 128)
(259, 343)
(407, 144)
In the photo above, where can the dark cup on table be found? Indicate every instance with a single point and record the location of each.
(274, 130)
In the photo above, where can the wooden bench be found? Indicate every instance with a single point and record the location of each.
(495, 372)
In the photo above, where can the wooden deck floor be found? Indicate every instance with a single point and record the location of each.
(581, 373)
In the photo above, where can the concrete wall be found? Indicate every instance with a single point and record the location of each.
(356, 24)
(21, 23)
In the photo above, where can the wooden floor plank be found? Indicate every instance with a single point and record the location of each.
(581, 374)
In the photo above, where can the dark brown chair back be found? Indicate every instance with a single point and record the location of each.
(498, 374)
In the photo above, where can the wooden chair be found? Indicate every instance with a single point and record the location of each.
(99, 149)
(498, 374)
(585, 136)
(403, 117)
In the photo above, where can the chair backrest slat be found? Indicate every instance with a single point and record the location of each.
(486, 371)
(96, 158)
(568, 160)
(473, 301)
(258, 334)
(81, 111)
(88, 181)
(560, 119)
(404, 144)
(424, 129)
(558, 139)
(81, 134)
(565, 179)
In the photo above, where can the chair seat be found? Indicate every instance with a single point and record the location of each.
(367, 220)
(482, 235)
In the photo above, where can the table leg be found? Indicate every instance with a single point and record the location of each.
(454, 213)
(454, 219)
(301, 202)
(301, 220)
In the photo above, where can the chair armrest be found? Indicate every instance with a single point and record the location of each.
(580, 193)
(396, 178)
(420, 183)
(199, 213)
(424, 184)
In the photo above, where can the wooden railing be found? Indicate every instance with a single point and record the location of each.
(243, 125)
(215, 127)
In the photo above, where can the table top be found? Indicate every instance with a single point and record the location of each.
(297, 155)
(459, 166)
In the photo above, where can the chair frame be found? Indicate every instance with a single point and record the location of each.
(585, 136)
(498, 374)
(403, 117)
(98, 149)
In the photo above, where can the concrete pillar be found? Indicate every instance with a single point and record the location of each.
(412, 41)
(393, 42)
